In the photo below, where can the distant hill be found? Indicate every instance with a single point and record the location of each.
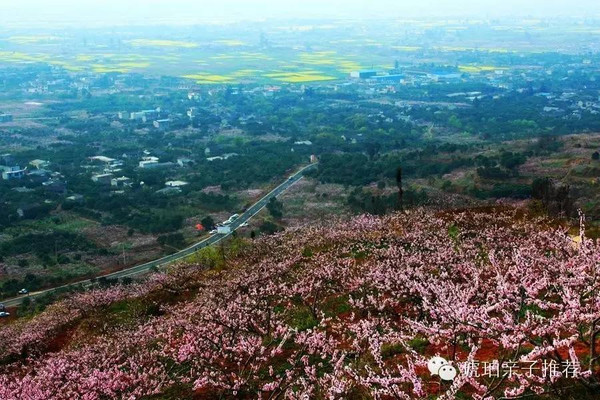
(353, 309)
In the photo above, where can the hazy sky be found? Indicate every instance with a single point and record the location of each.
(107, 12)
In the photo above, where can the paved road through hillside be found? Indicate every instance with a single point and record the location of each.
(143, 268)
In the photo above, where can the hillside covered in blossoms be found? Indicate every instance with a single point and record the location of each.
(349, 310)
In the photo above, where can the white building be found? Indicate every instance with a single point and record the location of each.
(103, 159)
(162, 123)
(121, 182)
(148, 164)
(9, 173)
(176, 183)
(144, 115)
(104, 179)
(192, 112)
(184, 162)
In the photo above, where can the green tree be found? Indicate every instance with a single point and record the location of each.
(275, 208)
(541, 189)
(454, 122)
(208, 223)
(510, 160)
(269, 227)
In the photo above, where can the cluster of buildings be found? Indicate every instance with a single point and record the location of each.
(107, 176)
(12, 172)
(563, 104)
(151, 162)
(51, 182)
(9, 169)
(223, 157)
(377, 76)
(156, 116)
(57, 80)
(109, 179)
(448, 75)
(570, 105)
(172, 187)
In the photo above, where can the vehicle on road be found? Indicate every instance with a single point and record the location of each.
(224, 230)
(231, 219)
(4, 314)
(221, 233)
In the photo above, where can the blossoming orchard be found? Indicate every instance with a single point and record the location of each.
(353, 310)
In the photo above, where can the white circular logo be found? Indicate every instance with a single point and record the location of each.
(447, 372)
(435, 364)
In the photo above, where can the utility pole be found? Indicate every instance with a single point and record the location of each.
(400, 191)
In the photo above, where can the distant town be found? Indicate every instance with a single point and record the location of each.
(105, 166)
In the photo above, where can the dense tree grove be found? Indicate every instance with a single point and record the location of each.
(348, 310)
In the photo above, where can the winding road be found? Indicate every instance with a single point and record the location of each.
(214, 239)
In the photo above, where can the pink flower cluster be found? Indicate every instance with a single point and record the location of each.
(334, 311)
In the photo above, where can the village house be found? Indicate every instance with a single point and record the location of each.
(10, 173)
(39, 164)
(121, 182)
(104, 179)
